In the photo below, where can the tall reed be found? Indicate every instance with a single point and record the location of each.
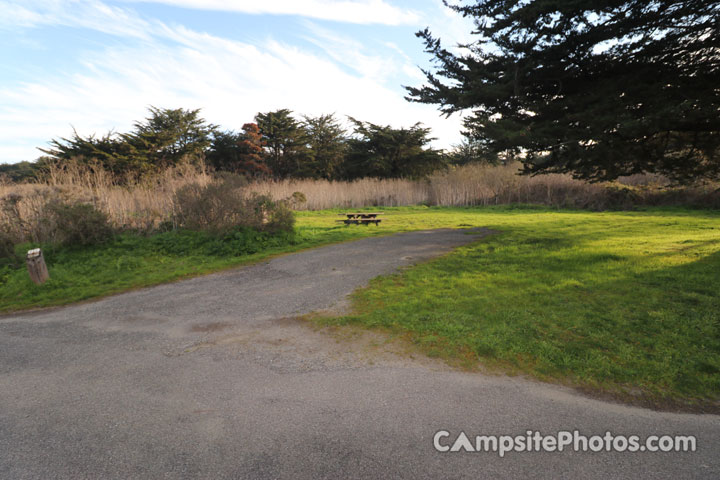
(145, 204)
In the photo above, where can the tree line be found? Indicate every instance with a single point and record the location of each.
(598, 90)
(277, 145)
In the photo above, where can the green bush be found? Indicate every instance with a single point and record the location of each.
(280, 218)
(78, 224)
(7, 250)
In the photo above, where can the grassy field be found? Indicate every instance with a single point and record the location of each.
(625, 303)
(619, 302)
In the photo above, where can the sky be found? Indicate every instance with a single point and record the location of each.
(97, 65)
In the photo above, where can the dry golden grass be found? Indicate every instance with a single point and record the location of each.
(138, 206)
(144, 205)
(463, 186)
(322, 194)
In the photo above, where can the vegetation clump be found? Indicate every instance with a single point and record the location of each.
(79, 224)
(223, 205)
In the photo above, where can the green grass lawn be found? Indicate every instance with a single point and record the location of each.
(619, 302)
(626, 303)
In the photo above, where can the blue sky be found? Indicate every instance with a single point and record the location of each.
(97, 65)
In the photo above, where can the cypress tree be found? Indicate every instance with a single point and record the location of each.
(598, 89)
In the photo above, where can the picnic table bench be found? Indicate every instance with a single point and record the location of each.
(361, 218)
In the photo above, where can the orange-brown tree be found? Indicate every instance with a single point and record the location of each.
(251, 160)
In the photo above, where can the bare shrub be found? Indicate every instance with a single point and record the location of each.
(141, 205)
(49, 215)
(23, 213)
(223, 204)
(216, 206)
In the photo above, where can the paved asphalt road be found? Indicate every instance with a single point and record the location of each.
(212, 378)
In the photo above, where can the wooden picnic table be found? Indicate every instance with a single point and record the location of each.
(361, 218)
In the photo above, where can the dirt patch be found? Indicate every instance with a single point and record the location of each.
(209, 327)
(297, 342)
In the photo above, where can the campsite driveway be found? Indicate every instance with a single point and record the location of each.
(213, 378)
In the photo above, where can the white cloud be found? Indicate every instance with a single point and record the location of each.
(178, 67)
(173, 66)
(91, 14)
(352, 54)
(351, 11)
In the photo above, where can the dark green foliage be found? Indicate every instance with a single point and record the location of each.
(278, 146)
(224, 153)
(7, 250)
(327, 141)
(240, 153)
(78, 224)
(286, 143)
(468, 152)
(19, 172)
(111, 151)
(386, 152)
(599, 89)
(167, 137)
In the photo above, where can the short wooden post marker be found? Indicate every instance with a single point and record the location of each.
(36, 266)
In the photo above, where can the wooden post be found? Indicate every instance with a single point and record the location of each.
(36, 266)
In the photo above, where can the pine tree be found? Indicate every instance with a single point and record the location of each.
(166, 137)
(286, 142)
(327, 140)
(110, 150)
(169, 136)
(240, 153)
(252, 156)
(599, 89)
(386, 152)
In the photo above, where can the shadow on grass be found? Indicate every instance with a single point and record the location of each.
(647, 336)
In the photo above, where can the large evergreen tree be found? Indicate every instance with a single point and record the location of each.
(469, 151)
(599, 89)
(169, 136)
(386, 152)
(327, 140)
(224, 152)
(166, 137)
(110, 150)
(252, 156)
(286, 142)
(241, 153)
